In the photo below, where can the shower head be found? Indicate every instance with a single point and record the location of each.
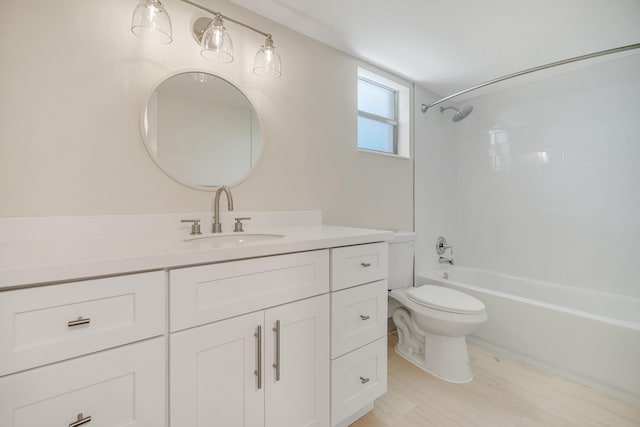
(460, 114)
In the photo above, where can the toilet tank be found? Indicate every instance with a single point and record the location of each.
(401, 254)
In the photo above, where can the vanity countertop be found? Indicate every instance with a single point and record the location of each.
(32, 261)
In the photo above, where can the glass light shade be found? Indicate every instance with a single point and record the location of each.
(267, 61)
(216, 44)
(151, 22)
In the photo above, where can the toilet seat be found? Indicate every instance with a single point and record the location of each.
(445, 299)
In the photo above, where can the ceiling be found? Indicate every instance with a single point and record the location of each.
(448, 46)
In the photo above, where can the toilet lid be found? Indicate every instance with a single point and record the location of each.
(445, 299)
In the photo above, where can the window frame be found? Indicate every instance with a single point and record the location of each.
(393, 122)
(402, 115)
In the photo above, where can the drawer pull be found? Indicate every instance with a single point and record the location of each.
(81, 420)
(276, 365)
(365, 264)
(364, 380)
(364, 317)
(258, 372)
(79, 321)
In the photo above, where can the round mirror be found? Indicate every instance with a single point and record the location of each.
(201, 130)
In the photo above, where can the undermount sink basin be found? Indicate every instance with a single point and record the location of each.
(229, 240)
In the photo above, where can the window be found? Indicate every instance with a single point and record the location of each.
(383, 115)
(377, 117)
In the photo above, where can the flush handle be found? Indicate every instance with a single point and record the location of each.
(80, 421)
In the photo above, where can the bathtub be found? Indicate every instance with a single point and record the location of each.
(587, 336)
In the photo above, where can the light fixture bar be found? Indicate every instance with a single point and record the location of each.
(213, 12)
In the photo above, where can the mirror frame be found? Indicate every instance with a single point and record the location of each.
(207, 188)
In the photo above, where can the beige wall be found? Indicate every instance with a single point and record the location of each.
(73, 80)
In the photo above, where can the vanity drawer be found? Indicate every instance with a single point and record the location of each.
(208, 293)
(123, 386)
(355, 265)
(357, 379)
(51, 323)
(358, 316)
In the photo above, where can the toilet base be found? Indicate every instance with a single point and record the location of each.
(446, 358)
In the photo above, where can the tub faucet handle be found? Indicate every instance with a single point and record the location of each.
(442, 245)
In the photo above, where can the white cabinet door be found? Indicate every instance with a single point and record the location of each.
(297, 364)
(124, 386)
(214, 381)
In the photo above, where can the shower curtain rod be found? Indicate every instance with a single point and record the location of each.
(425, 107)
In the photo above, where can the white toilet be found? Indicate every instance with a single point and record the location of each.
(432, 321)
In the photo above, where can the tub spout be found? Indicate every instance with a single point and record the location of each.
(441, 247)
(443, 260)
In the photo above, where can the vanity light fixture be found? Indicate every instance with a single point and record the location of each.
(215, 41)
(151, 22)
(267, 61)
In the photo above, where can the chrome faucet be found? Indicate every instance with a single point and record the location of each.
(443, 260)
(441, 247)
(217, 225)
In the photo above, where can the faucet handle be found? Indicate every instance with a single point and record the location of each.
(442, 245)
(238, 226)
(195, 225)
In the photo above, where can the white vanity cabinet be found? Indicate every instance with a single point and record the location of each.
(358, 330)
(268, 367)
(283, 334)
(84, 353)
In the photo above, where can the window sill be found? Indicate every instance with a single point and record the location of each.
(381, 153)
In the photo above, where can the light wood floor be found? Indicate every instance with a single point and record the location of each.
(503, 393)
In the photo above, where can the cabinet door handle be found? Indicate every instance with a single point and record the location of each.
(80, 421)
(365, 317)
(258, 372)
(79, 321)
(365, 264)
(276, 365)
(364, 380)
